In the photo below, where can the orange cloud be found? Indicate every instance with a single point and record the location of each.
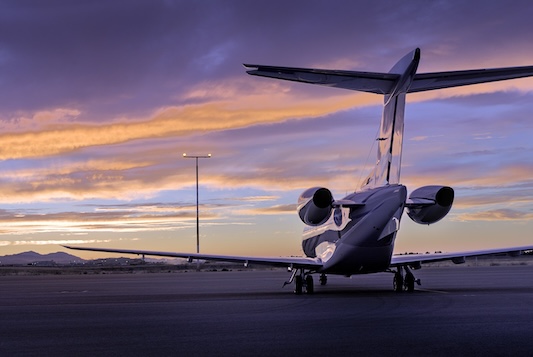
(167, 122)
(277, 209)
(227, 106)
(102, 221)
(503, 214)
(235, 104)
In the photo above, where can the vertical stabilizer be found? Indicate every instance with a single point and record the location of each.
(387, 169)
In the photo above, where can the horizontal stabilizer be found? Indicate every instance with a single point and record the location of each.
(371, 82)
(439, 80)
(384, 83)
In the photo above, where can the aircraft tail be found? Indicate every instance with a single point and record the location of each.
(401, 79)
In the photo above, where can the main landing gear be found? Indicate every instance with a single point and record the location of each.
(302, 281)
(323, 279)
(405, 282)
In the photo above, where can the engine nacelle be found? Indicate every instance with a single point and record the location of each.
(429, 204)
(314, 206)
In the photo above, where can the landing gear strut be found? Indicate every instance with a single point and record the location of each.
(323, 279)
(302, 281)
(409, 281)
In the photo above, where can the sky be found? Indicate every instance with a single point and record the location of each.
(100, 99)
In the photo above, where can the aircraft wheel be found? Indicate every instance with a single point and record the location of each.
(409, 283)
(298, 284)
(309, 287)
(397, 282)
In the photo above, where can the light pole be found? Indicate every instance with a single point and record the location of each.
(197, 208)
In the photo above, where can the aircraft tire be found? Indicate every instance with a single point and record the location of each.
(298, 284)
(309, 287)
(397, 282)
(409, 283)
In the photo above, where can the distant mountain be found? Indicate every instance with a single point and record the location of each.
(33, 257)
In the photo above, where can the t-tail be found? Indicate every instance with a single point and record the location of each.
(394, 86)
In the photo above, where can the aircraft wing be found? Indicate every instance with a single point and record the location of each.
(438, 80)
(293, 262)
(372, 82)
(456, 257)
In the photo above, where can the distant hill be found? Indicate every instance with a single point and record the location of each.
(33, 257)
(61, 258)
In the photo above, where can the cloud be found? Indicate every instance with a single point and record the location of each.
(277, 209)
(502, 196)
(55, 242)
(100, 99)
(127, 57)
(496, 215)
(124, 218)
(167, 122)
(102, 219)
(255, 198)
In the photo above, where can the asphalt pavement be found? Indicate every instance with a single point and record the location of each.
(456, 311)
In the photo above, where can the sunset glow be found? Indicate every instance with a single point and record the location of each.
(95, 118)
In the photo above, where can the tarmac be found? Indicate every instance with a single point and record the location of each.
(456, 311)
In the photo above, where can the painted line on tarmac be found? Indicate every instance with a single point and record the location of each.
(433, 291)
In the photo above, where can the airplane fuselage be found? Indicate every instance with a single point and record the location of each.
(359, 239)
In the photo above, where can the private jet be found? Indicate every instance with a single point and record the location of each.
(356, 234)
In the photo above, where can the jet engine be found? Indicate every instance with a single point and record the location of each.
(429, 204)
(314, 206)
